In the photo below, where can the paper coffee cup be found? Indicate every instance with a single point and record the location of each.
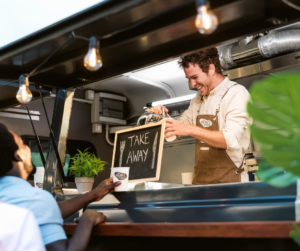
(38, 177)
(121, 174)
(187, 178)
(172, 138)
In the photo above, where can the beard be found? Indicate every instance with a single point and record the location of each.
(29, 167)
(33, 171)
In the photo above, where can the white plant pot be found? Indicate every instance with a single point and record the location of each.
(84, 184)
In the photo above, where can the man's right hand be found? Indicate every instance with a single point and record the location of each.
(92, 216)
(82, 234)
(158, 110)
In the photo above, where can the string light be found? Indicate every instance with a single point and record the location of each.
(92, 60)
(24, 94)
(206, 22)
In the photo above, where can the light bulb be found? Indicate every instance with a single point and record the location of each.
(206, 22)
(92, 60)
(24, 94)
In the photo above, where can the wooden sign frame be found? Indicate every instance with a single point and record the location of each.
(160, 149)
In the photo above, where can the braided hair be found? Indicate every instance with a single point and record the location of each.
(8, 147)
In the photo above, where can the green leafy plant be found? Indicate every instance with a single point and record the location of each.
(86, 164)
(275, 109)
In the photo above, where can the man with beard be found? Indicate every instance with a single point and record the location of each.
(15, 167)
(216, 117)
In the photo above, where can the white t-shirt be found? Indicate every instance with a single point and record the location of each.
(19, 230)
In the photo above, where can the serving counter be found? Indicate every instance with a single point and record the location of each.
(164, 216)
(253, 201)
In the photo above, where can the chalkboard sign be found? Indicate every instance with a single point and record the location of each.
(140, 148)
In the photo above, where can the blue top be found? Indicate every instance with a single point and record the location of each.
(41, 203)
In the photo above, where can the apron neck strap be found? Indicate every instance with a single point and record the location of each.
(218, 109)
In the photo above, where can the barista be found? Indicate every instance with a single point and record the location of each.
(216, 117)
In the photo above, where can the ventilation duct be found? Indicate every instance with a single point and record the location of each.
(252, 50)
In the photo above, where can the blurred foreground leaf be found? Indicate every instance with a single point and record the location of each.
(295, 234)
(275, 109)
(275, 176)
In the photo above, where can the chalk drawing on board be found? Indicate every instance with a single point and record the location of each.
(154, 150)
(143, 148)
(122, 147)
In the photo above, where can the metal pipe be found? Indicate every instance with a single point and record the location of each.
(279, 42)
(107, 136)
(252, 50)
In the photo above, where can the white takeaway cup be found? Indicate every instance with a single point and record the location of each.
(187, 178)
(120, 174)
(38, 177)
(172, 138)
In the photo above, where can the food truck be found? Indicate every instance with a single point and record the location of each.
(140, 43)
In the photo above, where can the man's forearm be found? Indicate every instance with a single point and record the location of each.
(71, 206)
(78, 242)
(81, 236)
(213, 138)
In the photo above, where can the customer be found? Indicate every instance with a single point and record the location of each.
(15, 167)
(19, 230)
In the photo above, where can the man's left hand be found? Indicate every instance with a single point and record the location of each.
(105, 187)
(174, 127)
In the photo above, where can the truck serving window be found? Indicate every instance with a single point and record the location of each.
(71, 151)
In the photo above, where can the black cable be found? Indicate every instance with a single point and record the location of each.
(73, 35)
(36, 138)
(120, 30)
(44, 108)
(60, 166)
(80, 37)
(129, 27)
(36, 68)
(9, 83)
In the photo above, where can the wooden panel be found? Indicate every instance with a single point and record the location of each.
(273, 229)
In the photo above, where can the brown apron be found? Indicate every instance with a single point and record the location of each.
(213, 165)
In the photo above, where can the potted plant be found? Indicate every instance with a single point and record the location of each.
(85, 168)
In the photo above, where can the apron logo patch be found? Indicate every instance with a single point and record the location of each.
(204, 148)
(205, 123)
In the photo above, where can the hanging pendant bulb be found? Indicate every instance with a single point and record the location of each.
(24, 94)
(206, 22)
(92, 60)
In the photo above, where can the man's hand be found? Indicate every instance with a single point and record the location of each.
(106, 182)
(105, 187)
(157, 109)
(82, 234)
(174, 127)
(91, 216)
(213, 138)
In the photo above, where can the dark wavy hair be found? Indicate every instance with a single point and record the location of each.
(203, 59)
(8, 147)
